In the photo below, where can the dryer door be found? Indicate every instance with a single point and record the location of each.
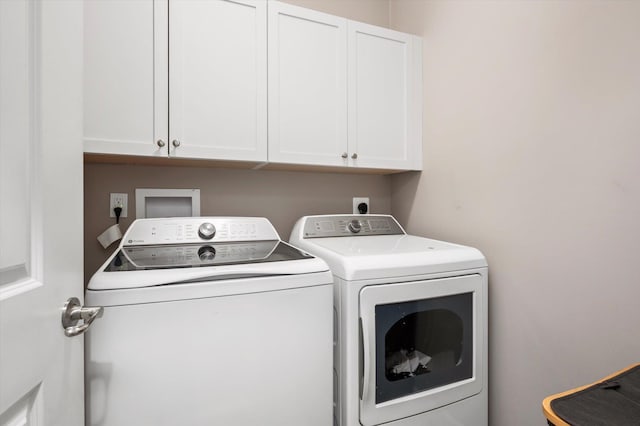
(422, 345)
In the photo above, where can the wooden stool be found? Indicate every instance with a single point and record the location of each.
(611, 401)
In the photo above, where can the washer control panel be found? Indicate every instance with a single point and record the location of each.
(350, 225)
(186, 230)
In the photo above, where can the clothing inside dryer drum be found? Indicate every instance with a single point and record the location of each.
(437, 332)
(423, 344)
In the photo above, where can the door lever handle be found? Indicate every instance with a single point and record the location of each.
(73, 312)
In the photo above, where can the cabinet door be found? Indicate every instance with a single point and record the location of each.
(307, 86)
(217, 79)
(384, 98)
(125, 77)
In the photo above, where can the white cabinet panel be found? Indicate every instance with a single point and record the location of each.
(384, 129)
(217, 79)
(307, 86)
(16, 121)
(125, 77)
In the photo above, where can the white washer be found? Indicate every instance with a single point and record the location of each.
(412, 322)
(209, 321)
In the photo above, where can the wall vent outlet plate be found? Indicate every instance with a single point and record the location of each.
(118, 200)
(361, 205)
(163, 202)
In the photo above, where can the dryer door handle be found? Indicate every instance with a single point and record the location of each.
(365, 360)
(360, 357)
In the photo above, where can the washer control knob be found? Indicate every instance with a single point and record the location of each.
(207, 231)
(354, 226)
(206, 253)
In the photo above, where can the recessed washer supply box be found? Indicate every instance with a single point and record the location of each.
(167, 202)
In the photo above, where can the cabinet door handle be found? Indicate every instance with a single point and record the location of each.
(160, 143)
(345, 155)
(176, 143)
(354, 156)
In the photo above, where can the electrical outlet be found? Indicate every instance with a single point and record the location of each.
(357, 205)
(118, 200)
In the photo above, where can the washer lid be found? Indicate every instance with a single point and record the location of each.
(145, 266)
(138, 258)
(206, 288)
(389, 256)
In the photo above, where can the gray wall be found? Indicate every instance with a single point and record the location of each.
(532, 154)
(280, 196)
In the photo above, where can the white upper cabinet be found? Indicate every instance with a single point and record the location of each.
(250, 80)
(184, 78)
(342, 93)
(307, 86)
(125, 77)
(385, 123)
(218, 79)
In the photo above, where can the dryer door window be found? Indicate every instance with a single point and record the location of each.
(421, 345)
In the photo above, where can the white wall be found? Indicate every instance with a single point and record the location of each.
(532, 154)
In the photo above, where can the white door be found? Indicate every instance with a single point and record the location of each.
(126, 77)
(384, 98)
(307, 86)
(41, 251)
(218, 79)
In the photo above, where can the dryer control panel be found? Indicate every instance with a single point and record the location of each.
(349, 226)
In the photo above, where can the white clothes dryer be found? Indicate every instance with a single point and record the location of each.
(411, 315)
(209, 321)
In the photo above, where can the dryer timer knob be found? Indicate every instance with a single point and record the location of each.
(207, 231)
(354, 226)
